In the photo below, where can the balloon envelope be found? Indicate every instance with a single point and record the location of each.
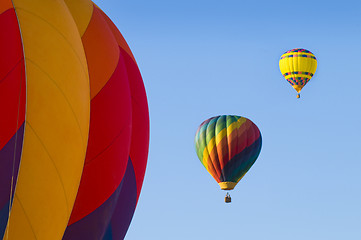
(298, 67)
(228, 146)
(74, 144)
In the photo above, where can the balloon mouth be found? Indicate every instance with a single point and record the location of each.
(297, 88)
(227, 185)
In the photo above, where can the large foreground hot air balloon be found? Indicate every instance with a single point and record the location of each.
(228, 146)
(74, 123)
(298, 67)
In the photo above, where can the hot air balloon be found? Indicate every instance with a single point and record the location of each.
(74, 125)
(228, 146)
(298, 67)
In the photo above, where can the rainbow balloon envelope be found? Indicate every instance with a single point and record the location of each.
(228, 146)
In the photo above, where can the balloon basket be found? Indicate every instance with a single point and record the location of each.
(227, 198)
(298, 96)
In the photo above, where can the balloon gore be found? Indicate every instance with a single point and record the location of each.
(74, 144)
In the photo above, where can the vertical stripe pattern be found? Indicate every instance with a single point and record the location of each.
(56, 122)
(74, 142)
(119, 126)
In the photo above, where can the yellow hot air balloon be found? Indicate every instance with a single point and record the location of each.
(298, 66)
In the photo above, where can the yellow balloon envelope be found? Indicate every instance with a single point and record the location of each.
(298, 67)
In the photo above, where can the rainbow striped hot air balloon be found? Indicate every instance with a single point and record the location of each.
(228, 146)
(298, 67)
(74, 123)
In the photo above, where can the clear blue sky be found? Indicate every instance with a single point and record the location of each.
(202, 58)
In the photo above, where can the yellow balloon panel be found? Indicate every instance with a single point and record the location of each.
(26, 231)
(41, 203)
(81, 11)
(57, 121)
